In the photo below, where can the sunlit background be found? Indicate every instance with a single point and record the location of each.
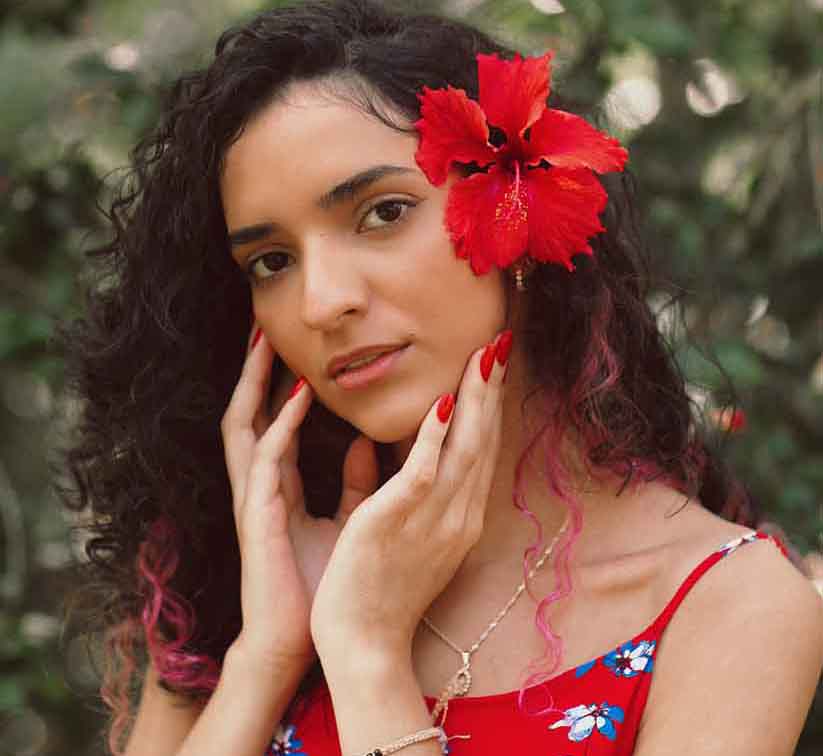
(721, 104)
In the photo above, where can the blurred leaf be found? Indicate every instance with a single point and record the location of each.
(731, 204)
(11, 695)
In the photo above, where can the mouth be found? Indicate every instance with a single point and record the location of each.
(363, 370)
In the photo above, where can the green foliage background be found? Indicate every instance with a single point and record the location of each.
(733, 199)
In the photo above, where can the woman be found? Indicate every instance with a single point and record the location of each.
(385, 206)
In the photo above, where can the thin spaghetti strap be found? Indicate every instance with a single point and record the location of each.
(728, 548)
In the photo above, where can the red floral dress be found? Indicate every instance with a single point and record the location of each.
(595, 708)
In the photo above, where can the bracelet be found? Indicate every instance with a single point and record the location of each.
(417, 737)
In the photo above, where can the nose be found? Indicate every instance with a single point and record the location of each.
(333, 286)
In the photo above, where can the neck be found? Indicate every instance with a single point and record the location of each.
(508, 531)
(612, 525)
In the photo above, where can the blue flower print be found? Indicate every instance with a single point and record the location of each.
(583, 719)
(630, 660)
(285, 744)
(583, 668)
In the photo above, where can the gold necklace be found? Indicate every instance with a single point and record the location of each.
(461, 681)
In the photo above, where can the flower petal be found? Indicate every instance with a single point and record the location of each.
(564, 209)
(639, 664)
(452, 130)
(615, 713)
(569, 141)
(583, 668)
(513, 93)
(486, 215)
(605, 727)
(641, 649)
(582, 728)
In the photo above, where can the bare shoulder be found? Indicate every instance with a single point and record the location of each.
(753, 580)
(695, 535)
(751, 627)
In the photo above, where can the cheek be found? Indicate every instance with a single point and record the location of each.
(281, 334)
(467, 307)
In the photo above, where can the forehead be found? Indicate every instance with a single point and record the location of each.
(308, 140)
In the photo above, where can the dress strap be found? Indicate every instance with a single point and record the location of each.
(698, 572)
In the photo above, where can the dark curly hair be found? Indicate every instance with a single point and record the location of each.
(156, 356)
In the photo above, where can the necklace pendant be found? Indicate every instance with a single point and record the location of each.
(462, 681)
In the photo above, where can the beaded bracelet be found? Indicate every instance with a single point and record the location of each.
(417, 737)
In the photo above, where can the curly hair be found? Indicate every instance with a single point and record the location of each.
(156, 355)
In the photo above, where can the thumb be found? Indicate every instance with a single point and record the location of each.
(360, 476)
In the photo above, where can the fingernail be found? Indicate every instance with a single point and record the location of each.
(256, 337)
(487, 362)
(445, 407)
(297, 387)
(504, 347)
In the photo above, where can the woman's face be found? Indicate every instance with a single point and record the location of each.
(344, 242)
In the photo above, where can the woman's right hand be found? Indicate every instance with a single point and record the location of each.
(284, 550)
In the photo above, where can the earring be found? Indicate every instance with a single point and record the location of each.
(518, 279)
(522, 271)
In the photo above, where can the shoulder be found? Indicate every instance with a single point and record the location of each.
(751, 626)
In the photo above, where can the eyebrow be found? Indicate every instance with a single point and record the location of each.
(344, 191)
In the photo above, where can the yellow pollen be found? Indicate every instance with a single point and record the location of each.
(512, 211)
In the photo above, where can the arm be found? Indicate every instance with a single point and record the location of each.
(377, 700)
(400, 547)
(239, 719)
(738, 666)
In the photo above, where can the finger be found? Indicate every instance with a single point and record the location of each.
(361, 475)
(477, 502)
(465, 442)
(470, 493)
(282, 394)
(291, 480)
(502, 350)
(415, 480)
(254, 335)
(493, 413)
(263, 417)
(237, 424)
(264, 471)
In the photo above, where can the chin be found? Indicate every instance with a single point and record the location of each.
(388, 422)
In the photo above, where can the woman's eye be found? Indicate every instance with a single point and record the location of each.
(268, 265)
(386, 213)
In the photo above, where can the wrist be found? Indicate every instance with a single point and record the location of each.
(277, 669)
(377, 700)
(377, 640)
(373, 663)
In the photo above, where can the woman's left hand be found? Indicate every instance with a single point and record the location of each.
(404, 542)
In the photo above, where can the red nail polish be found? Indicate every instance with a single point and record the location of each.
(487, 362)
(504, 347)
(256, 337)
(445, 407)
(297, 387)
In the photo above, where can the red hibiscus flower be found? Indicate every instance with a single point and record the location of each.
(535, 192)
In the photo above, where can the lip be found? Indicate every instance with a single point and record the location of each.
(353, 379)
(337, 363)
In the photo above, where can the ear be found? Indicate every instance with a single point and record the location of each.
(361, 474)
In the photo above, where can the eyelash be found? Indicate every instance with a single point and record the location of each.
(406, 203)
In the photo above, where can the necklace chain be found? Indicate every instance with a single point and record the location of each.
(460, 683)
